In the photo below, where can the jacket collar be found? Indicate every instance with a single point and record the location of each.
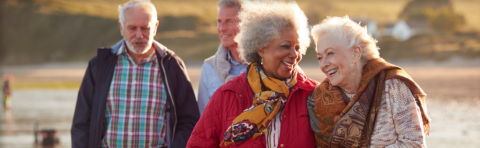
(220, 63)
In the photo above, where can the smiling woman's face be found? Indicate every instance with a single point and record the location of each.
(282, 55)
(336, 62)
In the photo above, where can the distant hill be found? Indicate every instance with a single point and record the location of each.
(37, 31)
(440, 14)
(31, 32)
(415, 10)
(32, 37)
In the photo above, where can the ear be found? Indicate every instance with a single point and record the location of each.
(261, 52)
(300, 56)
(357, 53)
(121, 28)
(155, 28)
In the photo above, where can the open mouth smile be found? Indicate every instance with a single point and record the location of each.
(288, 66)
(332, 72)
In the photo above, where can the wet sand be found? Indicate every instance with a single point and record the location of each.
(453, 100)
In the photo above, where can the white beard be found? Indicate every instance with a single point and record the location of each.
(134, 50)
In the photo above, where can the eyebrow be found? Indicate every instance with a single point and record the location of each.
(289, 41)
(225, 19)
(328, 48)
(139, 26)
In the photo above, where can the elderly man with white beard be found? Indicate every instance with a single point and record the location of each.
(136, 93)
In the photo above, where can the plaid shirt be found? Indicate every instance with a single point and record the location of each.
(135, 108)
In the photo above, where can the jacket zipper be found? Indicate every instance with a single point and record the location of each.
(170, 93)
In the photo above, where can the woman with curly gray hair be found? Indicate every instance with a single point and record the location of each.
(364, 101)
(264, 106)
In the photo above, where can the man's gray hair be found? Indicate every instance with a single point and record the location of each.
(263, 21)
(230, 3)
(145, 4)
(348, 34)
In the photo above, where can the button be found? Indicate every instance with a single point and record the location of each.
(281, 145)
(285, 116)
(240, 95)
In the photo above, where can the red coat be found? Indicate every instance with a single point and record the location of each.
(236, 95)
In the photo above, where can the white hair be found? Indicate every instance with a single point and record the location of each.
(230, 3)
(348, 34)
(263, 21)
(145, 4)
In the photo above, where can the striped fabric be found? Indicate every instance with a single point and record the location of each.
(273, 131)
(135, 108)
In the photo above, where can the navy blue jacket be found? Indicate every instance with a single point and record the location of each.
(181, 114)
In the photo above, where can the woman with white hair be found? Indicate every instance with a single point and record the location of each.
(264, 106)
(364, 101)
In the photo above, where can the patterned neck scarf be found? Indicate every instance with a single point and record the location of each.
(270, 97)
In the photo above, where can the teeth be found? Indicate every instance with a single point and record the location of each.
(332, 71)
(287, 64)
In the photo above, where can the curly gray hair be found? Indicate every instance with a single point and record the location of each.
(347, 33)
(263, 21)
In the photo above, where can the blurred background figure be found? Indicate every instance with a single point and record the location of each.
(7, 91)
(226, 63)
(7, 102)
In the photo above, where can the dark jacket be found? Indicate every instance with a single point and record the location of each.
(181, 109)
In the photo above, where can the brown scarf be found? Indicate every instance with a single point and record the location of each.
(337, 124)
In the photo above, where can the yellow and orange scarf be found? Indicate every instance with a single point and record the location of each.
(270, 97)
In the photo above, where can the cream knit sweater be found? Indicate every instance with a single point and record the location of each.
(399, 121)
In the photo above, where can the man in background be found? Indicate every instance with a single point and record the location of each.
(136, 93)
(226, 63)
(7, 91)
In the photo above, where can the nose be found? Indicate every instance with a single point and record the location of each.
(295, 54)
(222, 26)
(138, 34)
(324, 62)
